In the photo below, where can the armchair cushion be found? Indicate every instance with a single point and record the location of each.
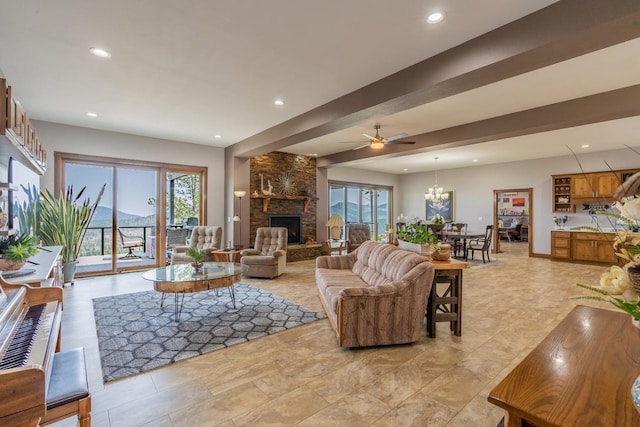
(356, 234)
(207, 238)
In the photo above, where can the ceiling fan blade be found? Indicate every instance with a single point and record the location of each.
(398, 136)
(362, 146)
(366, 135)
(401, 142)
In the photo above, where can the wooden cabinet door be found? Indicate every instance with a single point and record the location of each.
(582, 186)
(584, 250)
(607, 183)
(605, 253)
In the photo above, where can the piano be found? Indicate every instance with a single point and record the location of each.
(29, 337)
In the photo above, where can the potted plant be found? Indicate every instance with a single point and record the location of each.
(15, 250)
(416, 237)
(63, 222)
(198, 256)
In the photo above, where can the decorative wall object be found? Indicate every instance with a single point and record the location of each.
(443, 207)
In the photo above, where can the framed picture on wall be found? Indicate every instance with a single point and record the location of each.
(518, 201)
(442, 207)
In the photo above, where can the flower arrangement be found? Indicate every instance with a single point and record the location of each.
(417, 232)
(437, 219)
(620, 285)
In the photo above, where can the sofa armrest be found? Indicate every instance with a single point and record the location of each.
(249, 252)
(373, 291)
(339, 262)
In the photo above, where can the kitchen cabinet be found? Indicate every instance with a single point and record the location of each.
(583, 246)
(600, 185)
(561, 192)
(561, 245)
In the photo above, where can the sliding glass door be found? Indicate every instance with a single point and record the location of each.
(140, 208)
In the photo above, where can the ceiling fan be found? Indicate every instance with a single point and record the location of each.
(377, 142)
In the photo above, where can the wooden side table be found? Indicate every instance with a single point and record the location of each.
(332, 245)
(446, 306)
(226, 256)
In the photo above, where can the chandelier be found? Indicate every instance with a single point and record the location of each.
(435, 193)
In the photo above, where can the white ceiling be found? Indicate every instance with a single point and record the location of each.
(187, 71)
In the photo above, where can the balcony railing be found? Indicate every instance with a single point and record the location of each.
(97, 239)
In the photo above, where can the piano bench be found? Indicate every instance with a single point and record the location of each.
(68, 392)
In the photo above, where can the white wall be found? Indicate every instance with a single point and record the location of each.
(78, 140)
(474, 187)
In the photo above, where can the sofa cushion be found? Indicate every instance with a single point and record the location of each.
(259, 260)
(379, 264)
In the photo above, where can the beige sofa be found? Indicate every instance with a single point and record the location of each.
(376, 295)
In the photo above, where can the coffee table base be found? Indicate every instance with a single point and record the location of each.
(179, 302)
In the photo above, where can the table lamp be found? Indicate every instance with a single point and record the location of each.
(335, 221)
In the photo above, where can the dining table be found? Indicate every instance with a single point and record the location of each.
(459, 241)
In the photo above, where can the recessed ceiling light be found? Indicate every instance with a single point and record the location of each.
(405, 169)
(92, 115)
(218, 136)
(278, 102)
(435, 17)
(584, 146)
(475, 160)
(100, 52)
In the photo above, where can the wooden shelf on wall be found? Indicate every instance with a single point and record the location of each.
(266, 199)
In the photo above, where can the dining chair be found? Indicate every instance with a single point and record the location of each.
(483, 244)
(455, 242)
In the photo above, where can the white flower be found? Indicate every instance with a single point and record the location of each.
(630, 209)
(615, 281)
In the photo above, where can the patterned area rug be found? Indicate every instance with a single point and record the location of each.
(135, 334)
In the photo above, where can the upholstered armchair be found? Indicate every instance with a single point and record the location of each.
(208, 238)
(268, 257)
(356, 234)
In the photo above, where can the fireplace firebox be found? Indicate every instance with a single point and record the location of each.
(293, 223)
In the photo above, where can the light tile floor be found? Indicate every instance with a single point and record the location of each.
(301, 378)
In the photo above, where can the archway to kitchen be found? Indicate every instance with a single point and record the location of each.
(513, 220)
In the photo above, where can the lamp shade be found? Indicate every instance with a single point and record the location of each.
(236, 218)
(240, 193)
(335, 220)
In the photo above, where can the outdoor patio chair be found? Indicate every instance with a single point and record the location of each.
(130, 243)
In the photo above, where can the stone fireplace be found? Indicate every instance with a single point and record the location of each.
(283, 186)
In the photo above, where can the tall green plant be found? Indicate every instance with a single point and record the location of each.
(64, 221)
(28, 213)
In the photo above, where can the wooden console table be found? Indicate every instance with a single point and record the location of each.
(579, 375)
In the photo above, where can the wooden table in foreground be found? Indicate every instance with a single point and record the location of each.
(446, 306)
(580, 375)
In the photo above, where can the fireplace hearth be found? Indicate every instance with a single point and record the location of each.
(293, 223)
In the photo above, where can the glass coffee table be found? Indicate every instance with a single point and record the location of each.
(183, 278)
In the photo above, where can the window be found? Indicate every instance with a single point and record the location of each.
(361, 203)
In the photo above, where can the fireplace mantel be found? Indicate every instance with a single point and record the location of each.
(267, 198)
